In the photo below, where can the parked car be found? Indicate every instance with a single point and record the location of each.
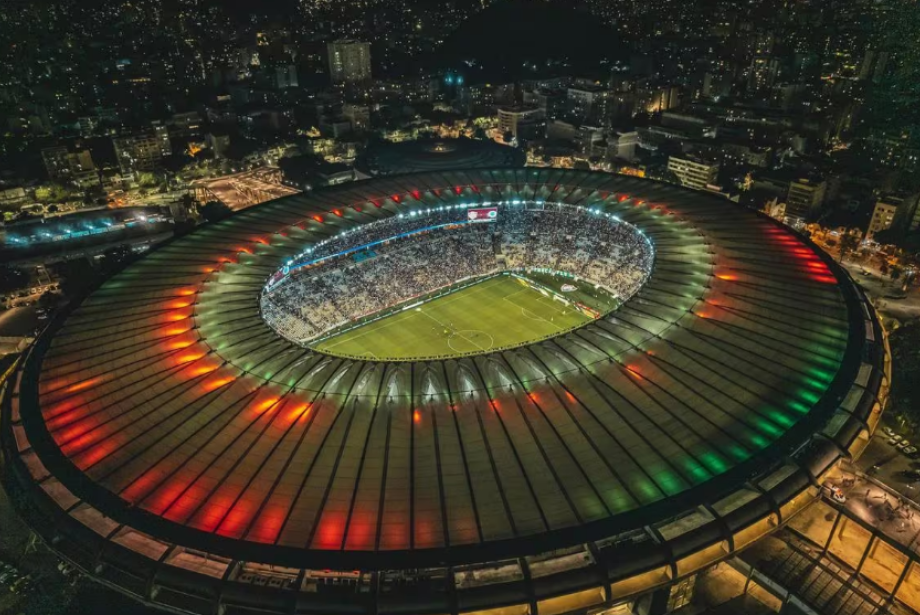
(888, 431)
(909, 450)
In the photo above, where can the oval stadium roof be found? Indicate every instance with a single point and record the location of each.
(164, 403)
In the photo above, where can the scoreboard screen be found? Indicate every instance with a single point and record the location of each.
(484, 214)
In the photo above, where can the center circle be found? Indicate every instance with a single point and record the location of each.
(457, 280)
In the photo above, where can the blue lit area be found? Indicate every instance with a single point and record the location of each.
(64, 229)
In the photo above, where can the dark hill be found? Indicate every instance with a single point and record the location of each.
(508, 38)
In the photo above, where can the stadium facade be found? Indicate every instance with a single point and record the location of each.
(165, 440)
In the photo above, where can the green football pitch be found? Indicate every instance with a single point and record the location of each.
(496, 313)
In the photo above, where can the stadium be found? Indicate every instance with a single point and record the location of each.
(497, 391)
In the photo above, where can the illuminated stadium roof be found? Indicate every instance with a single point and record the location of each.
(174, 445)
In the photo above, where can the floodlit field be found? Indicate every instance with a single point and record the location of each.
(496, 313)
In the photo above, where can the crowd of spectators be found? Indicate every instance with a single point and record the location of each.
(390, 262)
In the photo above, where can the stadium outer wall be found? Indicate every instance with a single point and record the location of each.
(588, 576)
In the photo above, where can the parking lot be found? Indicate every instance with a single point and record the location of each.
(887, 463)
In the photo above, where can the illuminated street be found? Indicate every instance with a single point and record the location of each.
(886, 294)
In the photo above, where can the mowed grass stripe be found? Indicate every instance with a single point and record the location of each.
(496, 313)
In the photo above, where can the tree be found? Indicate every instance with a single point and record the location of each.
(146, 180)
(12, 279)
(55, 596)
(849, 242)
(905, 381)
(52, 193)
(887, 237)
(298, 169)
(214, 211)
(177, 162)
(77, 276)
(891, 237)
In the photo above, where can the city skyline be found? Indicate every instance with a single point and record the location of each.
(474, 307)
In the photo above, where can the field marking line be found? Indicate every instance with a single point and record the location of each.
(538, 317)
(458, 333)
(491, 341)
(550, 302)
(393, 318)
(527, 313)
(479, 331)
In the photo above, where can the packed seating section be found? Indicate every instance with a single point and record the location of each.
(381, 265)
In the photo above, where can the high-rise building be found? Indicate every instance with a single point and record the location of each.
(716, 85)
(882, 216)
(550, 101)
(588, 103)
(219, 143)
(349, 61)
(138, 153)
(907, 214)
(805, 196)
(358, 115)
(655, 99)
(161, 132)
(520, 122)
(763, 73)
(621, 144)
(64, 165)
(286, 77)
(693, 172)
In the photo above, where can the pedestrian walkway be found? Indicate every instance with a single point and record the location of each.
(817, 580)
